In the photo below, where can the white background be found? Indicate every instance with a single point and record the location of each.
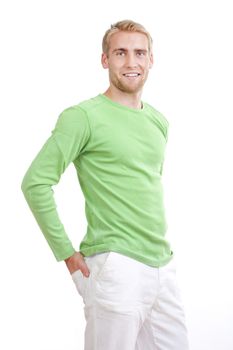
(50, 59)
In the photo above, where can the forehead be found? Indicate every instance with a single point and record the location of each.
(128, 40)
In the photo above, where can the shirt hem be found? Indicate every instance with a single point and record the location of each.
(107, 248)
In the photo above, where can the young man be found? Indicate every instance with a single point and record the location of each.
(124, 270)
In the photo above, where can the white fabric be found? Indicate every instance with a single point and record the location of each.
(131, 306)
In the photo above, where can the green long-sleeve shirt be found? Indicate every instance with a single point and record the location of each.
(118, 153)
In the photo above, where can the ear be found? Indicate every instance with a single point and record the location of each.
(104, 60)
(151, 60)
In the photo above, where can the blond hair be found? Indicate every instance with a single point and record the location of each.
(126, 26)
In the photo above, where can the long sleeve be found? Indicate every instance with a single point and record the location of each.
(67, 141)
(166, 138)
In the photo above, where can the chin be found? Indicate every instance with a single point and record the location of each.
(132, 89)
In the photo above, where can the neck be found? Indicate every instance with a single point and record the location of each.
(132, 100)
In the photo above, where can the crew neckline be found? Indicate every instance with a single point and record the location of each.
(121, 106)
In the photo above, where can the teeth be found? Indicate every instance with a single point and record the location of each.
(131, 74)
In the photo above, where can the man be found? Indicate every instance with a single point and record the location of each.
(125, 269)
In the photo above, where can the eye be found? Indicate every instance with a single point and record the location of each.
(121, 53)
(140, 53)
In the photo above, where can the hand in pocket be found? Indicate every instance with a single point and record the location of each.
(77, 262)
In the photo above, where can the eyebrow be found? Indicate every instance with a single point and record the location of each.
(123, 49)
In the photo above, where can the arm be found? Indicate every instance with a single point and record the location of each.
(68, 140)
(166, 138)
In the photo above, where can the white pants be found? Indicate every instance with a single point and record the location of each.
(130, 305)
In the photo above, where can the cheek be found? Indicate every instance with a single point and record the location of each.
(147, 66)
(115, 68)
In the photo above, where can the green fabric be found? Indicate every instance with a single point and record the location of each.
(118, 153)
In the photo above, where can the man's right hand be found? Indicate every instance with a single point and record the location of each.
(77, 262)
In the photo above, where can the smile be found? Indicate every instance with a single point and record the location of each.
(131, 74)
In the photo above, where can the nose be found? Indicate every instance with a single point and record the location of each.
(131, 60)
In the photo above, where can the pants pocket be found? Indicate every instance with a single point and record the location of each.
(96, 264)
(78, 279)
(101, 262)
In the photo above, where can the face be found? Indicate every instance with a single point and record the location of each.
(128, 61)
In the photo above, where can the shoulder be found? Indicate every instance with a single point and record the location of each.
(159, 118)
(79, 111)
(89, 104)
(158, 114)
(72, 118)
